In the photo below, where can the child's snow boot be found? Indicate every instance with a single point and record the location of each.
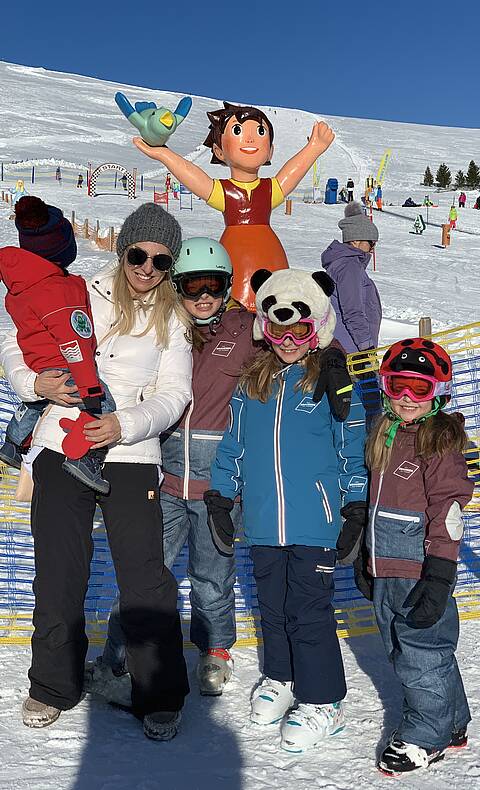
(161, 726)
(11, 455)
(88, 470)
(37, 714)
(271, 700)
(214, 670)
(307, 725)
(400, 757)
(115, 687)
(459, 739)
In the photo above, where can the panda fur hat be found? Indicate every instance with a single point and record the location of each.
(288, 295)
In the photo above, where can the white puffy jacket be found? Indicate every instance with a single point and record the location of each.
(151, 385)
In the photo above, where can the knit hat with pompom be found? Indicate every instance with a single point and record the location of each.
(356, 226)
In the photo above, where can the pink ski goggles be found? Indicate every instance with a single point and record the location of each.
(299, 333)
(417, 386)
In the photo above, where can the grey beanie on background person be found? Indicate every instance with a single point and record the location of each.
(150, 222)
(356, 226)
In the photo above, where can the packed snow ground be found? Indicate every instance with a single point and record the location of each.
(96, 747)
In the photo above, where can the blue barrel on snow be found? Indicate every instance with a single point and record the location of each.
(331, 191)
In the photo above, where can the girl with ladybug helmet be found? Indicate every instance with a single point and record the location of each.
(419, 369)
(419, 485)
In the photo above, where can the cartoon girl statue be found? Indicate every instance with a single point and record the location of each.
(242, 139)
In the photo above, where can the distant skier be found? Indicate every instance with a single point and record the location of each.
(452, 217)
(124, 182)
(80, 181)
(350, 188)
(58, 175)
(462, 200)
(379, 197)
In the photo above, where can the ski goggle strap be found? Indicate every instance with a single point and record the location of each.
(418, 387)
(397, 421)
(192, 286)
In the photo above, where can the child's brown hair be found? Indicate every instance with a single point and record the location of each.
(258, 377)
(437, 435)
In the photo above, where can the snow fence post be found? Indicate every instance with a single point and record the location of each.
(425, 327)
(73, 221)
(288, 207)
(446, 235)
(111, 239)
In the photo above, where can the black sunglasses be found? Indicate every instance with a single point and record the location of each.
(137, 257)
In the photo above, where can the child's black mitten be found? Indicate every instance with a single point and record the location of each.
(335, 380)
(220, 522)
(363, 579)
(430, 595)
(350, 538)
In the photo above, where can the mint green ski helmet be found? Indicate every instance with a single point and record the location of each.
(203, 256)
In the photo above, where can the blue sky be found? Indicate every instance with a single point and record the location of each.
(396, 59)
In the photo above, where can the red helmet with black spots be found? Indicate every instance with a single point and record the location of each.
(418, 358)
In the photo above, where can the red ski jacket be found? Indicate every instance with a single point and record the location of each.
(51, 310)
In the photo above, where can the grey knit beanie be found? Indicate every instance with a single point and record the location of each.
(150, 222)
(356, 226)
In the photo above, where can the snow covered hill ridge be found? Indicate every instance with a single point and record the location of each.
(72, 118)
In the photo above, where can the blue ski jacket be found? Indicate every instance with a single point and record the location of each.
(294, 465)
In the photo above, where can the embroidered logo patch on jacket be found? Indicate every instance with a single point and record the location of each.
(223, 349)
(406, 470)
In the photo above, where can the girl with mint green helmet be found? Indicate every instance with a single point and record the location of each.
(203, 267)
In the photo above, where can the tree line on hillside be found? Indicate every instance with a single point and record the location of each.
(443, 178)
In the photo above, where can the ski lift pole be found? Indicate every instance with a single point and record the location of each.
(373, 251)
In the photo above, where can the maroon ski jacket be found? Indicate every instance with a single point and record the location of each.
(415, 509)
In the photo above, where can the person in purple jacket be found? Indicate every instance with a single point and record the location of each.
(355, 299)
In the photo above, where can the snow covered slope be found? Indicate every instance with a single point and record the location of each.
(66, 118)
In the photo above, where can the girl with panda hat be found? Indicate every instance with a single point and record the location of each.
(298, 469)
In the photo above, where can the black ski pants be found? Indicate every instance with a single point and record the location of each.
(62, 517)
(295, 591)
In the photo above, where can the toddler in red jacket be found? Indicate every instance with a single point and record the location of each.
(51, 311)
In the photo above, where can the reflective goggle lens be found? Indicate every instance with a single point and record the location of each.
(421, 388)
(193, 285)
(137, 257)
(299, 330)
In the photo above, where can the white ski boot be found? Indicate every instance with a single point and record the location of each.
(270, 701)
(161, 726)
(214, 670)
(307, 725)
(99, 678)
(38, 714)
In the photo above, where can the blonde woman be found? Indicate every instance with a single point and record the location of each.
(144, 357)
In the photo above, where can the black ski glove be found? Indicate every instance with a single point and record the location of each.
(430, 595)
(220, 521)
(335, 380)
(351, 534)
(363, 579)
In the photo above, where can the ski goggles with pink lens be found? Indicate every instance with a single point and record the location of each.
(417, 386)
(301, 332)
